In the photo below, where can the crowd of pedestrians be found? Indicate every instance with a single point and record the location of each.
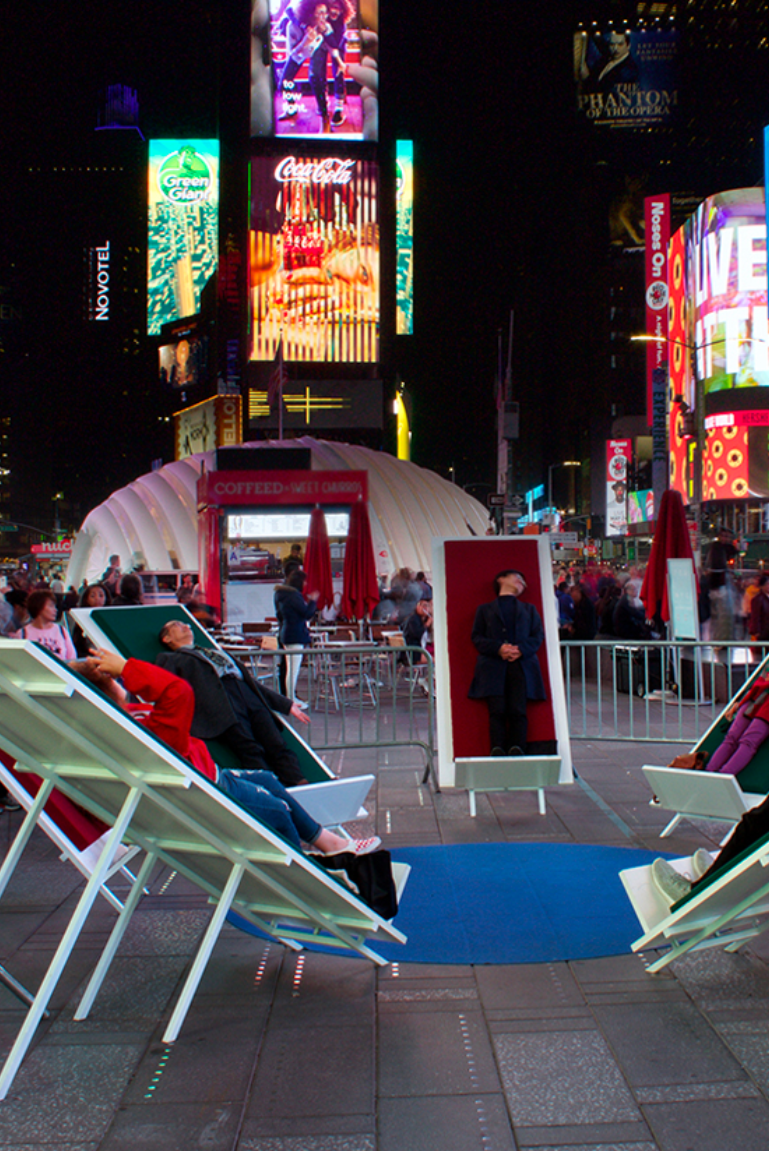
(595, 602)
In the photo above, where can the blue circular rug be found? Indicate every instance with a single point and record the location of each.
(512, 903)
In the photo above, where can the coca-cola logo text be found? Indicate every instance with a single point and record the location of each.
(328, 171)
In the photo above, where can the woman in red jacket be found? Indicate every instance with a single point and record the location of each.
(260, 792)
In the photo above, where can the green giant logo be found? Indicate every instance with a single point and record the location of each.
(185, 177)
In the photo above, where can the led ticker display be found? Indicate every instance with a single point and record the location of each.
(312, 62)
(183, 238)
(404, 271)
(314, 259)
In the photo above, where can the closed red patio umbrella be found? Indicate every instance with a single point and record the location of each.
(317, 562)
(360, 590)
(671, 541)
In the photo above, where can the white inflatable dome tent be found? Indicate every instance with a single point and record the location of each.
(155, 516)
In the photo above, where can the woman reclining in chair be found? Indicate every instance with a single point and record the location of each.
(748, 729)
(260, 792)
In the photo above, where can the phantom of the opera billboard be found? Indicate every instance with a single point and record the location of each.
(313, 69)
(183, 227)
(719, 347)
(626, 78)
(314, 259)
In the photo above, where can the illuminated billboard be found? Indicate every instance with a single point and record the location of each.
(183, 361)
(313, 68)
(312, 405)
(726, 273)
(657, 238)
(626, 78)
(619, 454)
(214, 423)
(404, 269)
(719, 346)
(314, 259)
(183, 234)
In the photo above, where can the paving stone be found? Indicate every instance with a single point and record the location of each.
(212, 1059)
(177, 1127)
(558, 1078)
(475, 1122)
(164, 931)
(666, 1043)
(710, 1125)
(407, 1054)
(66, 1093)
(135, 993)
(752, 1052)
(60, 1145)
(356, 1127)
(691, 1092)
(532, 985)
(364, 1142)
(310, 1070)
(720, 980)
(602, 1147)
(586, 1136)
(332, 988)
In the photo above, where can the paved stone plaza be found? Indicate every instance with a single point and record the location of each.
(308, 1052)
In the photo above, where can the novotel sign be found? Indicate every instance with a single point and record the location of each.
(225, 489)
(100, 272)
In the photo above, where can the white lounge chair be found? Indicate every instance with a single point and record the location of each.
(728, 911)
(55, 724)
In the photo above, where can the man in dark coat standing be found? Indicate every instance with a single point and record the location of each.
(231, 706)
(507, 635)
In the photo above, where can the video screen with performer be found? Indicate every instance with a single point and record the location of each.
(314, 259)
(313, 68)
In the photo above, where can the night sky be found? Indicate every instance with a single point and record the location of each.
(511, 197)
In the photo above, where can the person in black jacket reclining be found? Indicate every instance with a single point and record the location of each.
(230, 706)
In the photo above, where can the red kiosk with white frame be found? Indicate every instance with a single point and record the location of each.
(247, 521)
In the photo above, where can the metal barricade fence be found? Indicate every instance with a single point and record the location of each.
(363, 694)
(654, 690)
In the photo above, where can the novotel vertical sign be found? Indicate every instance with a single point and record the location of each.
(657, 218)
(98, 281)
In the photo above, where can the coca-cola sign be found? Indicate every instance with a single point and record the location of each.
(328, 171)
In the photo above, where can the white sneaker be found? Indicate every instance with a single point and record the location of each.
(670, 882)
(302, 703)
(701, 862)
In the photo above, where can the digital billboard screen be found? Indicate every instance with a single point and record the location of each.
(735, 462)
(404, 270)
(619, 455)
(311, 405)
(183, 227)
(313, 69)
(314, 259)
(183, 362)
(719, 344)
(726, 275)
(626, 78)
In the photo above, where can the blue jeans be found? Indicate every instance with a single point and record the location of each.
(263, 795)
